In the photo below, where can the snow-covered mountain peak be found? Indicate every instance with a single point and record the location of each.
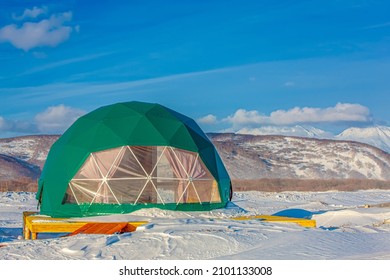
(297, 130)
(378, 136)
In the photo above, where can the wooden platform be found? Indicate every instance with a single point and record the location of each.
(34, 224)
(280, 219)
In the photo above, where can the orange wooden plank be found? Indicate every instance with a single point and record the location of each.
(101, 228)
(129, 228)
(34, 224)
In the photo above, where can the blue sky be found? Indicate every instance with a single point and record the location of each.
(227, 64)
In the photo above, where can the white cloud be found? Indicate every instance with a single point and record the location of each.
(16, 126)
(243, 118)
(31, 13)
(341, 112)
(57, 118)
(47, 32)
(209, 119)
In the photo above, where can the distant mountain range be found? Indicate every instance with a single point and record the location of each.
(12, 168)
(22, 158)
(254, 157)
(297, 130)
(30, 149)
(247, 156)
(377, 136)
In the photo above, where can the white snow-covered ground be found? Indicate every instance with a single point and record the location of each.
(345, 230)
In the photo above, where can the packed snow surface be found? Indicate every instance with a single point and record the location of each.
(346, 229)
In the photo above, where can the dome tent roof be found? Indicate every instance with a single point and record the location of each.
(177, 151)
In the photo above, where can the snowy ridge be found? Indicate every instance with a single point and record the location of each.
(24, 157)
(32, 149)
(377, 136)
(254, 157)
(297, 130)
(12, 168)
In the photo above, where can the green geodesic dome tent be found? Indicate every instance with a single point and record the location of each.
(127, 156)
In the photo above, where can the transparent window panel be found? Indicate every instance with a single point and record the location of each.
(69, 197)
(146, 156)
(200, 171)
(215, 195)
(108, 159)
(168, 167)
(89, 170)
(207, 190)
(191, 163)
(179, 162)
(148, 194)
(105, 195)
(139, 174)
(127, 167)
(189, 195)
(170, 190)
(127, 190)
(84, 191)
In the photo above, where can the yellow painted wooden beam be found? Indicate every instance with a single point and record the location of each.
(281, 219)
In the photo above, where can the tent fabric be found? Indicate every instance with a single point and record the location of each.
(127, 156)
